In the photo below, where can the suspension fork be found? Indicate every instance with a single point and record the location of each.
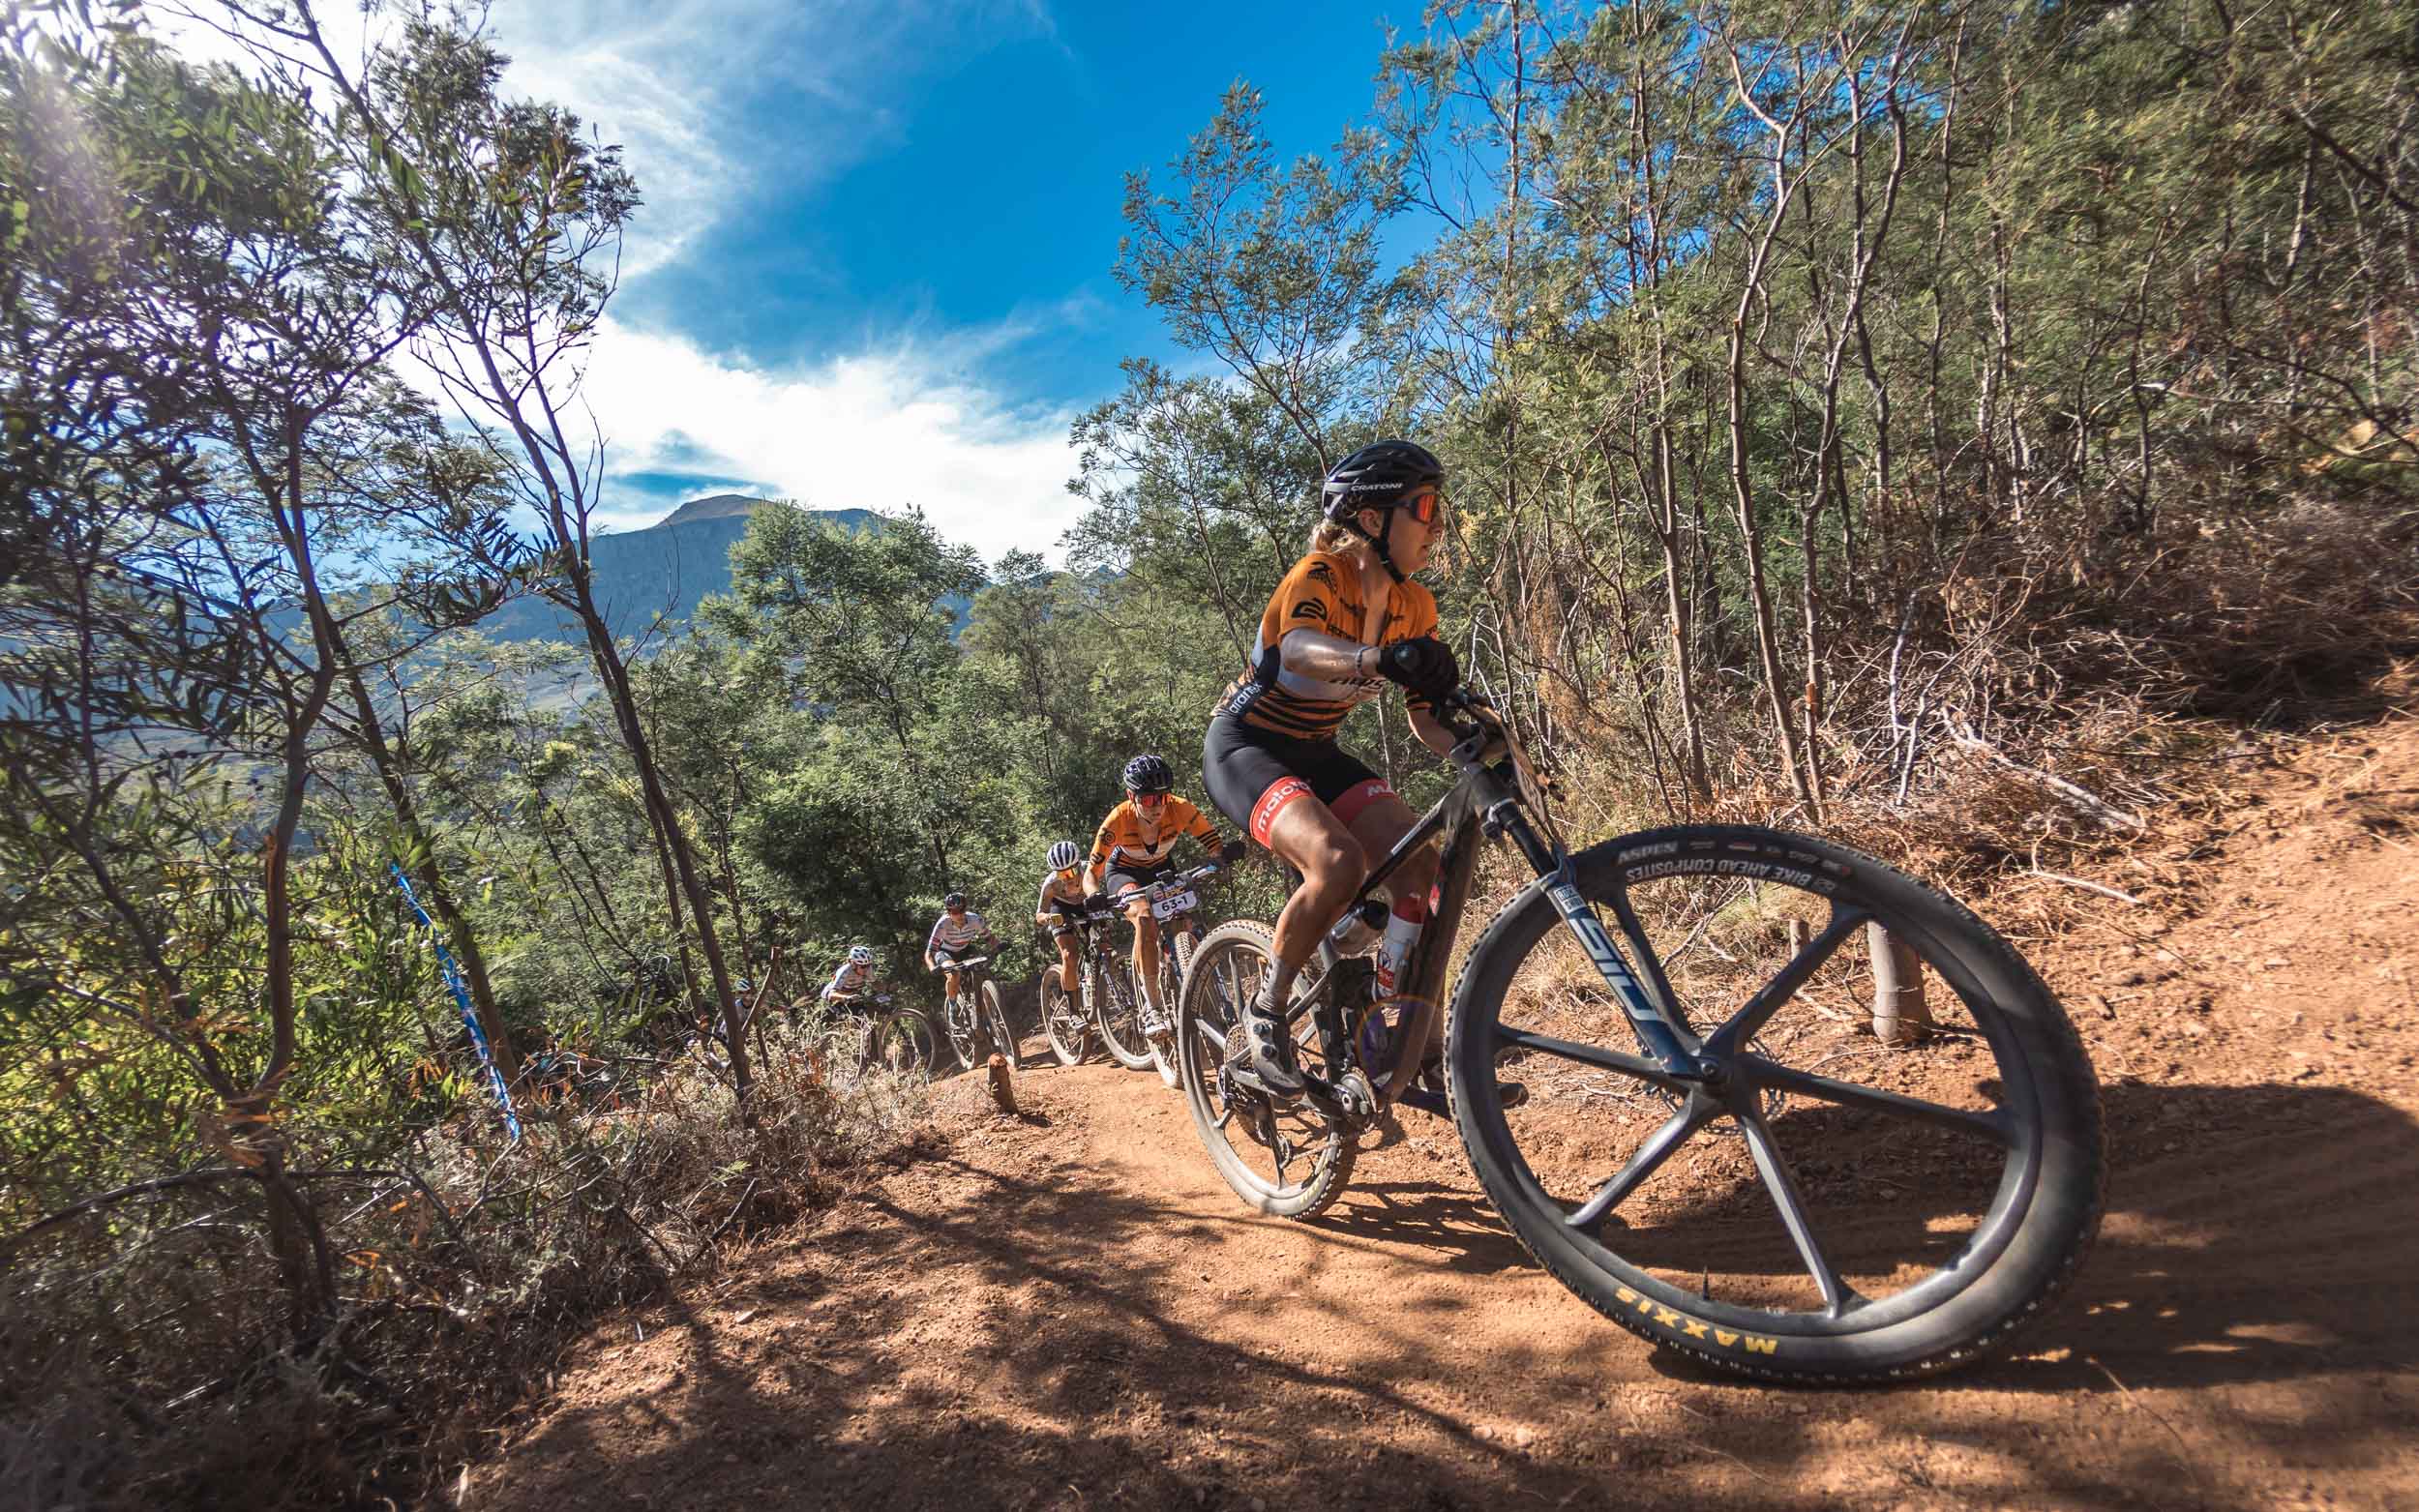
(1662, 1037)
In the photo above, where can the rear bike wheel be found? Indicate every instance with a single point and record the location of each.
(1846, 1210)
(996, 1024)
(1284, 1159)
(901, 1041)
(1116, 1012)
(1063, 1021)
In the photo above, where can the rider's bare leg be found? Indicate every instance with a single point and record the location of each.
(1070, 966)
(1309, 838)
(1145, 951)
(1308, 835)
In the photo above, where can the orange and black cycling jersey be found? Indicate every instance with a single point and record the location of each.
(1121, 844)
(1322, 593)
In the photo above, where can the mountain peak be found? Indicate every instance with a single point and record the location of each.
(719, 506)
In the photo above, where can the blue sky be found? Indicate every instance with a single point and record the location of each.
(874, 269)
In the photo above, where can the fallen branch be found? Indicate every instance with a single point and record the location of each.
(736, 1209)
(100, 1200)
(2077, 798)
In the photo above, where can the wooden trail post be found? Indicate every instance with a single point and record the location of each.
(1899, 1017)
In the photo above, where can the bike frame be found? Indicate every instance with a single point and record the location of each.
(971, 977)
(1486, 803)
(1098, 952)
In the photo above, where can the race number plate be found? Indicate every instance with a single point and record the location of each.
(1174, 904)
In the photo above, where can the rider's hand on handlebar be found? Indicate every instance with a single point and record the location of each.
(1424, 664)
(1230, 852)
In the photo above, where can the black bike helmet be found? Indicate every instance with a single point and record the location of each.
(1148, 774)
(1379, 476)
(954, 901)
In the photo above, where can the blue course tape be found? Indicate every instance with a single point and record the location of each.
(462, 996)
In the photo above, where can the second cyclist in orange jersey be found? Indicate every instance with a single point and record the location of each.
(1134, 849)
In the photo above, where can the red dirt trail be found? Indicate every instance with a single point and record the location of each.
(1072, 1311)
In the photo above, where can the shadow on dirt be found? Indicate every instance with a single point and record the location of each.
(2256, 1236)
(2252, 1233)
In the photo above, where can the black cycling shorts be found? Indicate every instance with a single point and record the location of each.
(1064, 919)
(1253, 774)
(1116, 880)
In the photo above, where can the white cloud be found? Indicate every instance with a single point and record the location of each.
(876, 430)
(714, 101)
(717, 103)
(675, 85)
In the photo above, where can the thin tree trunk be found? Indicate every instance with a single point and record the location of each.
(434, 889)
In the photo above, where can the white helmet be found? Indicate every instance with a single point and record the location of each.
(861, 955)
(1064, 855)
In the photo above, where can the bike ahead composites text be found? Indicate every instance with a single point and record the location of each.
(1706, 1153)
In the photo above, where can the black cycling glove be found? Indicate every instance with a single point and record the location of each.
(1230, 852)
(1424, 665)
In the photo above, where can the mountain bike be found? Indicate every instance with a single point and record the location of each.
(1172, 901)
(878, 1032)
(1066, 1019)
(1680, 1161)
(1118, 1006)
(560, 1078)
(973, 1016)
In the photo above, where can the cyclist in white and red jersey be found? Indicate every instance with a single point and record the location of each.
(855, 976)
(954, 935)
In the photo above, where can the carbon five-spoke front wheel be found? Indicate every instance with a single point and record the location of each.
(1814, 1200)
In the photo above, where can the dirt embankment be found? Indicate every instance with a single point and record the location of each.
(1071, 1311)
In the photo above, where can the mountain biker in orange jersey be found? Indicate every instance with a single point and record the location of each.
(1346, 620)
(1132, 851)
(1056, 907)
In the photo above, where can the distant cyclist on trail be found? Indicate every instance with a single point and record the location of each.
(1346, 620)
(854, 977)
(1060, 904)
(953, 938)
(1133, 852)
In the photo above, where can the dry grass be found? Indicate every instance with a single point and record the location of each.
(149, 1362)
